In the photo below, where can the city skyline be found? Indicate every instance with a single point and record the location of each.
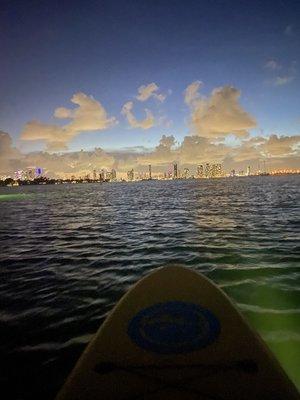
(86, 88)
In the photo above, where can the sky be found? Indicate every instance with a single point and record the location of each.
(148, 81)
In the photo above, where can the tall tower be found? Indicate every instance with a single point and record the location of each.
(150, 172)
(175, 172)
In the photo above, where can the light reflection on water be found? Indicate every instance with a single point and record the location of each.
(69, 252)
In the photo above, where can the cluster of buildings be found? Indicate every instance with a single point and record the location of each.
(28, 174)
(34, 175)
(98, 176)
(203, 171)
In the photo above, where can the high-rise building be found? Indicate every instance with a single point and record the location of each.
(150, 172)
(186, 173)
(216, 170)
(38, 172)
(102, 176)
(175, 171)
(248, 171)
(130, 175)
(200, 171)
(30, 174)
(113, 174)
(207, 172)
(94, 175)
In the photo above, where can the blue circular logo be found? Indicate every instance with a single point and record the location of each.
(174, 327)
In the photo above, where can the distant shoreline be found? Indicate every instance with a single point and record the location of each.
(9, 182)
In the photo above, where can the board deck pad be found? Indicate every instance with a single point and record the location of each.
(176, 335)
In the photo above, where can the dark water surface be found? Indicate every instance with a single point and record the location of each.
(69, 252)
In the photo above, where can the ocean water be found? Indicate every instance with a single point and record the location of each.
(69, 252)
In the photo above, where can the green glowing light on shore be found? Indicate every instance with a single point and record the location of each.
(17, 196)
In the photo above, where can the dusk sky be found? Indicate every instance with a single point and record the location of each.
(220, 79)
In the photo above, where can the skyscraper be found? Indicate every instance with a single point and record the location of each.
(200, 171)
(150, 174)
(186, 173)
(113, 174)
(216, 171)
(130, 175)
(207, 173)
(175, 171)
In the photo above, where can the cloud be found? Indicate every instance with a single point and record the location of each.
(289, 30)
(282, 80)
(281, 146)
(198, 150)
(56, 137)
(191, 93)
(218, 115)
(9, 156)
(146, 123)
(195, 149)
(272, 64)
(163, 154)
(278, 151)
(150, 90)
(272, 147)
(90, 115)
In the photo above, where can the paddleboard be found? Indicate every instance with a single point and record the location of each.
(176, 335)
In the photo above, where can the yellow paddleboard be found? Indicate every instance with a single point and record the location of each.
(176, 335)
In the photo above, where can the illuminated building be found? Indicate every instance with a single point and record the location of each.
(175, 171)
(19, 174)
(215, 171)
(186, 173)
(38, 172)
(102, 176)
(150, 172)
(130, 175)
(248, 171)
(94, 175)
(30, 174)
(207, 170)
(200, 171)
(113, 174)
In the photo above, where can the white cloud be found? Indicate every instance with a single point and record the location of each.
(282, 146)
(218, 115)
(150, 90)
(55, 136)
(90, 115)
(146, 123)
(272, 64)
(282, 80)
(191, 93)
